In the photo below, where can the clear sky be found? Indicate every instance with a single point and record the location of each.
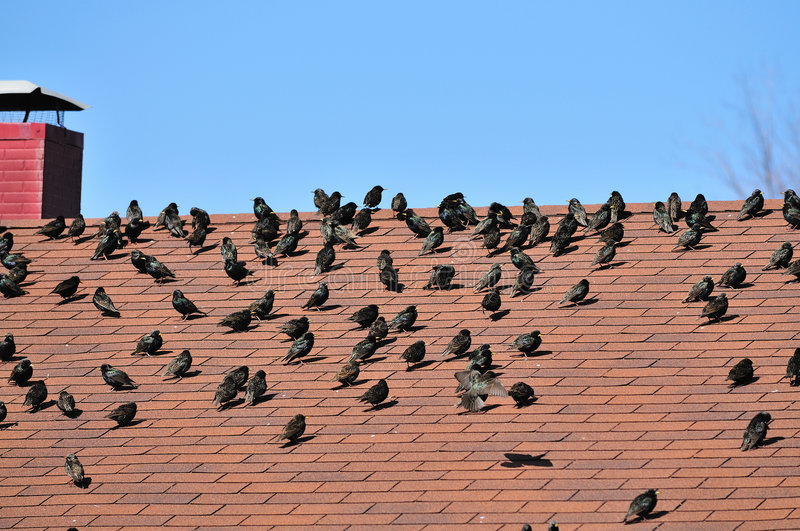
(212, 103)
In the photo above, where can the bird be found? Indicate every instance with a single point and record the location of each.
(12, 260)
(756, 431)
(433, 240)
(116, 378)
(237, 271)
(793, 269)
(9, 288)
(7, 347)
(662, 218)
(226, 391)
(21, 372)
(325, 258)
(405, 319)
(18, 274)
(605, 254)
(459, 344)
(74, 470)
(529, 206)
(348, 373)
(318, 297)
(715, 308)
(332, 204)
(561, 239)
(157, 270)
(139, 260)
(519, 236)
(103, 302)
(376, 394)
(504, 215)
(364, 349)
(417, 225)
(690, 238)
(161, 220)
(320, 198)
(179, 366)
(362, 220)
(489, 279)
(67, 288)
(134, 228)
(475, 385)
(228, 250)
(342, 234)
(239, 375)
(576, 293)
(197, 238)
(3, 411)
(741, 373)
(365, 316)
(77, 227)
(261, 308)
(261, 209)
(237, 321)
(618, 204)
(384, 260)
(389, 279)
(539, 231)
(523, 283)
(149, 344)
(734, 276)
(256, 387)
(379, 329)
(107, 245)
(793, 368)
(299, 348)
(701, 290)
(66, 403)
(414, 353)
(577, 210)
(373, 197)
(294, 224)
(200, 218)
(36, 395)
(522, 393)
(133, 211)
(450, 216)
(399, 203)
(441, 277)
(642, 505)
(184, 306)
(263, 252)
(491, 301)
(6, 242)
(752, 205)
(791, 213)
(614, 233)
(480, 359)
(780, 257)
(294, 429)
(287, 244)
(699, 205)
(601, 218)
(123, 414)
(295, 328)
(522, 260)
(527, 342)
(674, 208)
(53, 229)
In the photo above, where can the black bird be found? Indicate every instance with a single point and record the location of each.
(527, 342)
(376, 394)
(756, 431)
(123, 414)
(793, 368)
(605, 254)
(226, 391)
(780, 257)
(362, 220)
(489, 279)
(522, 260)
(103, 302)
(18, 274)
(701, 290)
(66, 403)
(576, 293)
(791, 209)
(399, 203)
(347, 373)
(741, 373)
(450, 216)
(12, 260)
(134, 228)
(197, 238)
(465, 211)
(404, 320)
(480, 359)
(489, 221)
(577, 210)
(522, 393)
(529, 206)
(319, 297)
(107, 245)
(156, 269)
(256, 387)
(616, 201)
(36, 395)
(373, 197)
(662, 218)
(200, 218)
(433, 240)
(21, 372)
(752, 205)
(3, 411)
(561, 238)
(379, 329)
(325, 258)
(184, 306)
(642, 505)
(149, 343)
(77, 227)
(519, 235)
(239, 375)
(237, 271)
(53, 229)
(74, 470)
(133, 211)
(384, 260)
(237, 321)
(504, 215)
(286, 245)
(6, 242)
(715, 308)
(459, 344)
(441, 277)
(692, 218)
(179, 365)
(417, 225)
(173, 223)
(475, 384)
(9, 288)
(364, 349)
(320, 198)
(266, 228)
(261, 308)
(793, 269)
(674, 207)
(698, 206)
(791, 198)
(734, 276)
(264, 253)
(294, 429)
(614, 233)
(7, 347)
(228, 250)
(295, 327)
(294, 224)
(365, 316)
(300, 348)
(601, 218)
(342, 234)
(523, 283)
(415, 353)
(539, 231)
(67, 288)
(491, 238)
(261, 209)
(116, 378)
(332, 204)
(690, 238)
(139, 260)
(491, 301)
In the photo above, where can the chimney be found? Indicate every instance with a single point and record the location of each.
(40, 160)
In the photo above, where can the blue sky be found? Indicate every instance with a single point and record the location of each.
(209, 104)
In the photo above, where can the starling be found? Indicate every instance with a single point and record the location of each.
(36, 395)
(139, 260)
(793, 269)
(504, 215)
(523, 283)
(715, 308)
(674, 208)
(320, 198)
(7, 347)
(701, 290)
(491, 238)
(793, 368)
(690, 238)
(522, 393)
(261, 308)
(156, 269)
(480, 359)
(239, 375)
(616, 201)
(77, 227)
(450, 216)
(476, 385)
(491, 301)
(780, 257)
(756, 431)
(734, 276)
(184, 306)
(698, 206)
(66, 403)
(343, 234)
(107, 245)
(613, 233)
(12, 260)
(332, 204)
(74, 470)
(539, 231)
(362, 220)
(577, 210)
(116, 378)
(266, 228)
(6, 242)
(197, 238)
(149, 343)
(264, 253)
(318, 298)
(295, 327)
(433, 240)
(752, 205)
(529, 206)
(123, 414)
(200, 218)
(605, 254)
(286, 245)
(692, 218)
(53, 229)
(226, 391)
(256, 387)
(466, 212)
(414, 353)
(103, 302)
(791, 213)
(560, 240)
(3, 411)
(791, 198)
(21, 372)
(441, 277)
(237, 271)
(490, 279)
(228, 250)
(522, 260)
(373, 197)
(9, 288)
(294, 429)
(365, 316)
(300, 348)
(174, 224)
(576, 293)
(741, 373)
(417, 225)
(364, 349)
(325, 258)
(490, 221)
(18, 274)
(662, 218)
(348, 373)
(459, 344)
(601, 218)
(376, 394)
(404, 320)
(399, 203)
(261, 209)
(642, 505)
(294, 224)
(379, 329)
(237, 321)
(528, 342)
(67, 288)
(519, 235)
(179, 365)
(134, 228)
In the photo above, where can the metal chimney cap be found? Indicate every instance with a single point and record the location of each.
(27, 96)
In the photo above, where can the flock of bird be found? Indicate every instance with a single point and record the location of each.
(341, 225)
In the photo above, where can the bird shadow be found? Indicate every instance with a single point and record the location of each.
(420, 365)
(231, 404)
(264, 398)
(651, 516)
(116, 256)
(701, 247)
(522, 460)
(232, 331)
(456, 285)
(328, 307)
(7, 425)
(44, 405)
(205, 249)
(771, 440)
(368, 231)
(72, 299)
(446, 249)
(734, 385)
(128, 425)
(83, 240)
(384, 342)
(527, 402)
(193, 316)
(534, 354)
(763, 213)
(587, 302)
(83, 484)
(272, 316)
(166, 280)
(190, 374)
(109, 313)
(413, 329)
(384, 405)
(296, 253)
(567, 250)
(313, 359)
(297, 441)
(744, 285)
(75, 413)
(373, 360)
(353, 384)
(499, 315)
(623, 244)
(246, 282)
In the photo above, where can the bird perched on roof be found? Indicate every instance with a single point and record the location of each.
(415, 353)
(405, 319)
(504, 215)
(441, 277)
(287, 244)
(3, 411)
(433, 240)
(325, 258)
(239, 375)
(519, 235)
(522, 394)
(133, 211)
(200, 218)
(197, 238)
(107, 245)
(384, 259)
(77, 227)
(6, 242)
(21, 372)
(527, 342)
(139, 260)
(491, 238)
(674, 207)
(149, 343)
(450, 215)
(228, 250)
(690, 238)
(156, 269)
(237, 321)
(601, 218)
(320, 198)
(226, 392)
(161, 220)
(301, 347)
(362, 220)
(701, 290)
(376, 394)
(103, 302)
(741, 373)
(256, 387)
(388, 277)
(576, 293)
(365, 316)
(12, 260)
(399, 203)
(459, 344)
(318, 297)
(793, 269)
(491, 301)
(179, 366)
(475, 385)
(294, 429)
(173, 223)
(373, 197)
(780, 257)
(7, 347)
(66, 403)
(116, 378)
(295, 328)
(135, 227)
(563, 235)
(379, 329)
(489, 279)
(53, 229)
(756, 431)
(184, 306)
(752, 205)
(67, 288)
(480, 359)
(529, 206)
(414, 222)
(642, 505)
(36, 395)
(793, 368)
(332, 204)
(18, 274)
(618, 204)
(264, 253)
(523, 283)
(123, 414)
(605, 254)
(715, 308)
(266, 228)
(9, 288)
(734, 276)
(237, 271)
(539, 231)
(261, 308)
(347, 373)
(364, 349)
(74, 469)
(614, 233)
(522, 260)
(662, 218)
(261, 209)
(576, 209)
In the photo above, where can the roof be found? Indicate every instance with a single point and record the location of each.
(27, 96)
(632, 391)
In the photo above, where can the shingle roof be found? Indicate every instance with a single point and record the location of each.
(632, 390)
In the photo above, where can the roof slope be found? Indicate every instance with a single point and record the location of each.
(632, 390)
